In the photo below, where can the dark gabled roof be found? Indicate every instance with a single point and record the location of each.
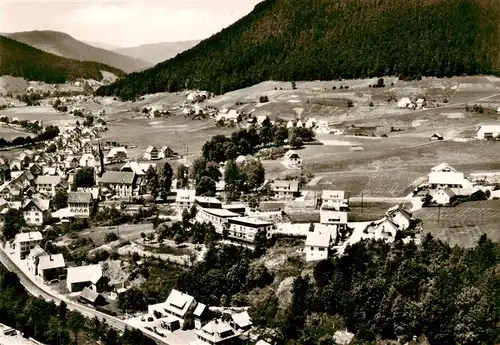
(89, 295)
(79, 197)
(117, 177)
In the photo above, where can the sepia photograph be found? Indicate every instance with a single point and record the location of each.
(250, 172)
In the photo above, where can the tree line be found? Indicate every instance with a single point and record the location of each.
(50, 132)
(328, 40)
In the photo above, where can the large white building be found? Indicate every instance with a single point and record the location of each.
(334, 200)
(245, 228)
(26, 241)
(318, 245)
(486, 132)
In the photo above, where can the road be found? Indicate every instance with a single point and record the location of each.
(35, 290)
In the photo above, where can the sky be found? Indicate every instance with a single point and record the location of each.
(125, 23)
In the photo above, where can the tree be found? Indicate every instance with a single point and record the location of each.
(85, 177)
(232, 178)
(380, 82)
(206, 187)
(294, 86)
(52, 148)
(60, 199)
(254, 174)
(76, 322)
(253, 203)
(152, 182)
(295, 141)
(165, 180)
(182, 176)
(13, 223)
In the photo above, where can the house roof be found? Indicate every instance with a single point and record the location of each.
(400, 208)
(318, 239)
(179, 302)
(442, 166)
(183, 194)
(262, 342)
(495, 128)
(217, 330)
(292, 186)
(117, 177)
(36, 252)
(333, 217)
(89, 295)
(48, 179)
(151, 148)
(79, 197)
(200, 308)
(41, 204)
(242, 319)
(29, 236)
(207, 200)
(446, 178)
(248, 221)
(447, 191)
(436, 135)
(81, 274)
(137, 168)
(47, 262)
(333, 194)
(387, 222)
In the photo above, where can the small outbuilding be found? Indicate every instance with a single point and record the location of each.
(437, 136)
(443, 196)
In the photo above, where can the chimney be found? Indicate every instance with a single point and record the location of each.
(50, 257)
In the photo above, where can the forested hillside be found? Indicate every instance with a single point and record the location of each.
(330, 39)
(20, 60)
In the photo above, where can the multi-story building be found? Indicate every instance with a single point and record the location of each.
(245, 228)
(79, 204)
(25, 242)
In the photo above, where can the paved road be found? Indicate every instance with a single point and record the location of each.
(35, 290)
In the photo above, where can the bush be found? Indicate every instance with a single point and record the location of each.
(111, 236)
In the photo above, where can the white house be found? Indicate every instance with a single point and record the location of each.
(488, 132)
(185, 197)
(88, 160)
(47, 184)
(455, 180)
(323, 126)
(123, 184)
(151, 153)
(404, 102)
(310, 123)
(79, 204)
(285, 189)
(116, 155)
(334, 200)
(401, 217)
(217, 216)
(443, 167)
(165, 152)
(443, 196)
(245, 228)
(25, 241)
(177, 306)
(81, 277)
(318, 245)
(51, 267)
(290, 124)
(217, 332)
(386, 230)
(336, 219)
(36, 211)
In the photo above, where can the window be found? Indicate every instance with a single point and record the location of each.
(312, 248)
(321, 249)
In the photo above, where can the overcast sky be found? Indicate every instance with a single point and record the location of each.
(125, 23)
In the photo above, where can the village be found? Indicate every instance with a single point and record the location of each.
(84, 191)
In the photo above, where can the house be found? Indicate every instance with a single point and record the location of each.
(437, 136)
(92, 297)
(48, 184)
(246, 228)
(207, 202)
(386, 230)
(488, 132)
(51, 267)
(310, 123)
(401, 217)
(139, 169)
(166, 152)
(443, 196)
(25, 242)
(285, 189)
(229, 116)
(300, 123)
(185, 197)
(455, 180)
(236, 208)
(337, 219)
(36, 211)
(241, 321)
(323, 126)
(290, 124)
(79, 204)
(88, 160)
(122, 184)
(151, 153)
(84, 276)
(217, 216)
(201, 315)
(334, 200)
(261, 119)
(116, 155)
(404, 102)
(33, 258)
(217, 332)
(71, 162)
(292, 160)
(318, 244)
(420, 102)
(87, 148)
(177, 306)
(443, 167)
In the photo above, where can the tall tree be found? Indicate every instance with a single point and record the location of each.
(13, 223)
(153, 185)
(165, 180)
(85, 177)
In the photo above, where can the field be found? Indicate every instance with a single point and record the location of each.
(130, 232)
(464, 224)
(9, 133)
(46, 114)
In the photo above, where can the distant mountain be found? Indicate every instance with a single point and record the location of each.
(64, 45)
(101, 45)
(157, 52)
(332, 39)
(21, 60)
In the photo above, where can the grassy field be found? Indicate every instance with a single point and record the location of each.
(46, 114)
(464, 224)
(10, 133)
(129, 232)
(370, 211)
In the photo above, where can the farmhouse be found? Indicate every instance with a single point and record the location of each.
(455, 180)
(443, 196)
(25, 242)
(51, 267)
(177, 306)
(185, 197)
(310, 123)
(229, 116)
(245, 228)
(84, 276)
(139, 169)
(87, 148)
(217, 332)
(36, 211)
(151, 153)
(79, 204)
(334, 200)
(285, 189)
(292, 160)
(166, 152)
(217, 216)
(488, 132)
(437, 136)
(401, 217)
(386, 230)
(318, 245)
(123, 184)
